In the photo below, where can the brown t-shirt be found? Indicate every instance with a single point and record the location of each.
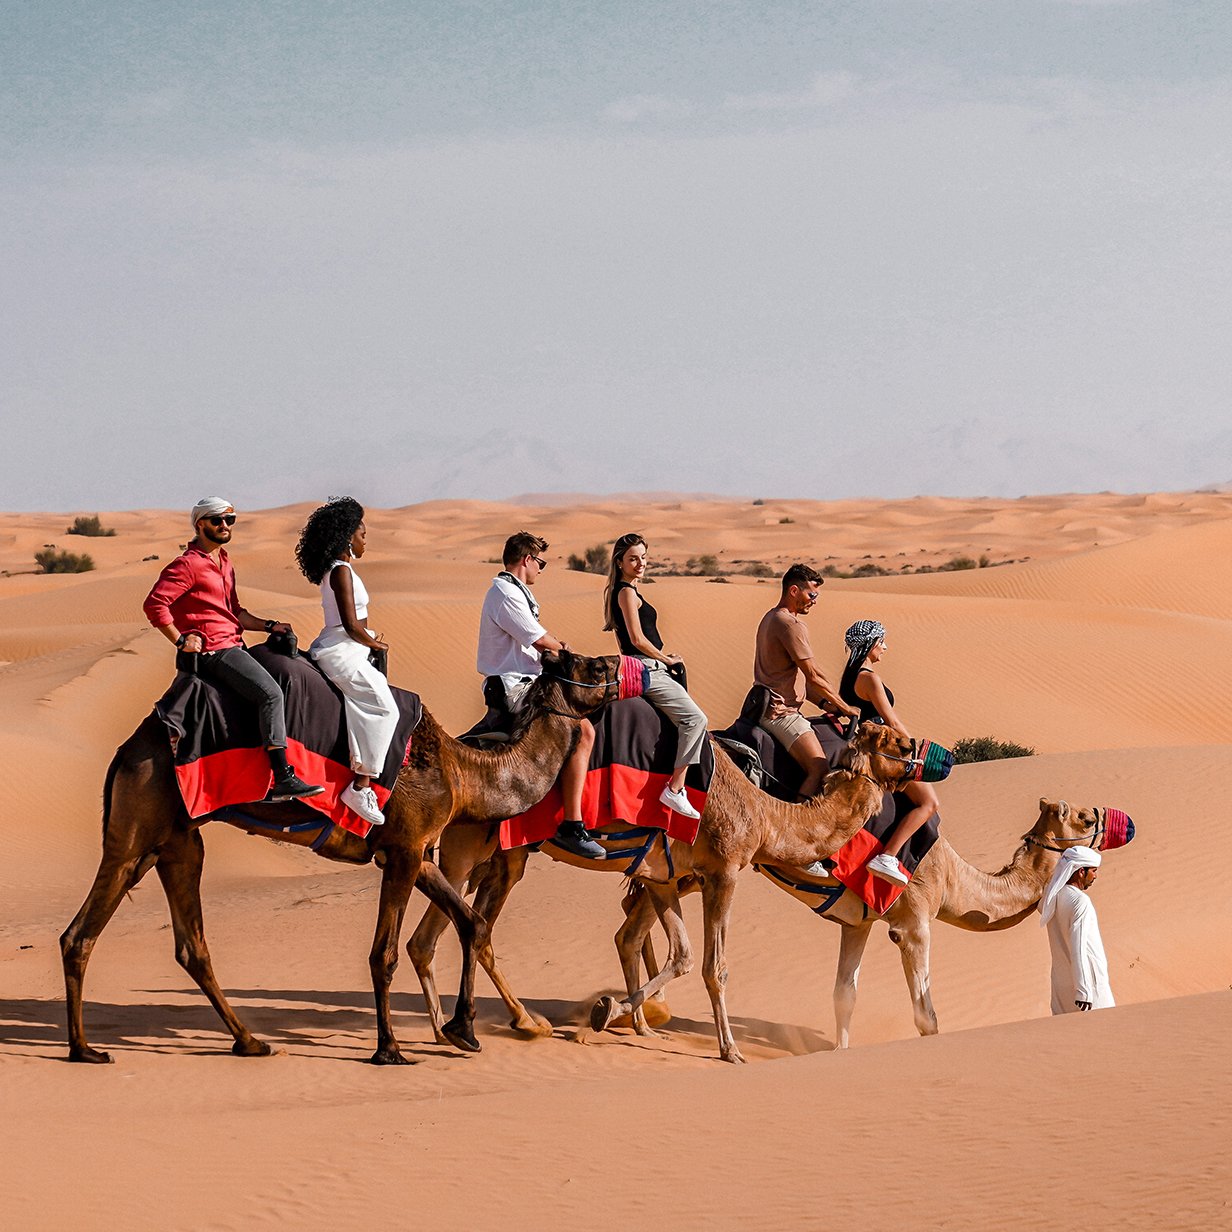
(782, 644)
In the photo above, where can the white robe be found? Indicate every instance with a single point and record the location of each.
(1079, 968)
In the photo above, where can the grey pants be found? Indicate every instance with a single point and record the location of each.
(667, 696)
(236, 669)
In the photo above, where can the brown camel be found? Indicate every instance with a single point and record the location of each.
(944, 887)
(740, 825)
(145, 825)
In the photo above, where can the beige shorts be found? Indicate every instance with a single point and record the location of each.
(787, 728)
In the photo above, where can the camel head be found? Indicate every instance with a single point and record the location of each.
(1063, 825)
(575, 685)
(879, 753)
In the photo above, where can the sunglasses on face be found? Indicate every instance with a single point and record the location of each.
(219, 518)
(543, 564)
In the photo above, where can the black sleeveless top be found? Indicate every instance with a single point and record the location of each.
(646, 614)
(847, 691)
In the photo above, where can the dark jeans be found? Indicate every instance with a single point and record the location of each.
(238, 670)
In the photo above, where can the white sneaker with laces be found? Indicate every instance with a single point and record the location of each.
(678, 802)
(888, 869)
(362, 802)
(818, 869)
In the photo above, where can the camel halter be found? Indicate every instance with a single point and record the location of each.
(928, 763)
(630, 680)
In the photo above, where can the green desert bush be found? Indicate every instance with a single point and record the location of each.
(988, 748)
(593, 560)
(51, 561)
(90, 526)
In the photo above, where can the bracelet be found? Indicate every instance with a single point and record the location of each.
(179, 641)
(269, 626)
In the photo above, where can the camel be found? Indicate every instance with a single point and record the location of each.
(145, 825)
(944, 887)
(740, 825)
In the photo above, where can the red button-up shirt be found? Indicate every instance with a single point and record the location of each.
(196, 593)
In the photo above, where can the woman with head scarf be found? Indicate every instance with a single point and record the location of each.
(333, 538)
(862, 686)
(636, 625)
(1079, 967)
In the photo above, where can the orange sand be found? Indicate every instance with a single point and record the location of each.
(1107, 646)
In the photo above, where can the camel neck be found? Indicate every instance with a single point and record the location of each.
(796, 834)
(986, 902)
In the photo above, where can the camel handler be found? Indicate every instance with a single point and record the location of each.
(510, 641)
(784, 664)
(1079, 968)
(194, 605)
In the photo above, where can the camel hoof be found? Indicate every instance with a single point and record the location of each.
(603, 1013)
(646, 1032)
(90, 1056)
(461, 1035)
(251, 1048)
(733, 1056)
(390, 1056)
(532, 1026)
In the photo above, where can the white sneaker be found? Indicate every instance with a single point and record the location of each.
(888, 869)
(362, 802)
(678, 802)
(818, 869)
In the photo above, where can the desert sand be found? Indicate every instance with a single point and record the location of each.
(1105, 643)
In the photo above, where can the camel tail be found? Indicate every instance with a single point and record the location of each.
(108, 784)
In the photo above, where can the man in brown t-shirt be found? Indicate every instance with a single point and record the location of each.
(784, 664)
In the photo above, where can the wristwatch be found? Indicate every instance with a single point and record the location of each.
(179, 641)
(269, 626)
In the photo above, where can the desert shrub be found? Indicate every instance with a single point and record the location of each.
(718, 579)
(90, 526)
(51, 561)
(593, 560)
(786, 521)
(759, 501)
(988, 748)
(960, 562)
(759, 569)
(703, 566)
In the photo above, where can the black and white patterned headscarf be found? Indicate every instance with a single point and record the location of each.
(862, 637)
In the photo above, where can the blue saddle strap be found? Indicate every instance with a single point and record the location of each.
(828, 894)
(322, 823)
(636, 854)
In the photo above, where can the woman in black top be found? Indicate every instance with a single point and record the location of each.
(636, 627)
(862, 686)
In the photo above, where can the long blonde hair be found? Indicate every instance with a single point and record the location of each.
(619, 548)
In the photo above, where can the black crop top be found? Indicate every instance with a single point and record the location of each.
(847, 691)
(646, 615)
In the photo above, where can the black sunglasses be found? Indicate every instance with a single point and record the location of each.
(219, 518)
(543, 564)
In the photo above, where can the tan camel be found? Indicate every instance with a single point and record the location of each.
(145, 825)
(944, 887)
(740, 825)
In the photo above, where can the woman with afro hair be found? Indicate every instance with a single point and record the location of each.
(332, 538)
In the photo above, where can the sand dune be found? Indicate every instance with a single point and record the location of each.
(1107, 646)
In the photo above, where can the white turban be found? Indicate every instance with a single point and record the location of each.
(208, 506)
(1072, 859)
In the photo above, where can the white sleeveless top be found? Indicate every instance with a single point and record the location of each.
(329, 600)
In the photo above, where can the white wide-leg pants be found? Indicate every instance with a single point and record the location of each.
(371, 712)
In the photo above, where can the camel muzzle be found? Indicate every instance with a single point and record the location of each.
(633, 673)
(1118, 829)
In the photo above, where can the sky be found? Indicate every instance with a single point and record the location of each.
(426, 249)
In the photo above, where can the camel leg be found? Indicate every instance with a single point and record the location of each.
(115, 877)
(854, 937)
(717, 894)
(913, 949)
(462, 849)
(397, 881)
(505, 870)
(665, 903)
(472, 930)
(179, 869)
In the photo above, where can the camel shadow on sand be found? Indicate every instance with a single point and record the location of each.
(336, 1025)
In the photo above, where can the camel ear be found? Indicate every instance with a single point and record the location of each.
(1045, 804)
(1062, 810)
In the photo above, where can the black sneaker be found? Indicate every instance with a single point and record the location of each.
(578, 841)
(292, 787)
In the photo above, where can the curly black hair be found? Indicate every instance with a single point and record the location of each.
(326, 536)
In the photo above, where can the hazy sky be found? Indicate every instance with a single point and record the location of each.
(416, 249)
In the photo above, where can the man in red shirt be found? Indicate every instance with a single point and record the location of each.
(194, 605)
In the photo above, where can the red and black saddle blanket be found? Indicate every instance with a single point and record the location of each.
(217, 749)
(781, 776)
(631, 763)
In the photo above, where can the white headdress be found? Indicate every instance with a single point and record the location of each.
(1072, 859)
(208, 506)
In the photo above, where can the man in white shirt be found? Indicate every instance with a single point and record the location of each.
(510, 641)
(1079, 967)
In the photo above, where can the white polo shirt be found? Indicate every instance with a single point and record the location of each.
(508, 630)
